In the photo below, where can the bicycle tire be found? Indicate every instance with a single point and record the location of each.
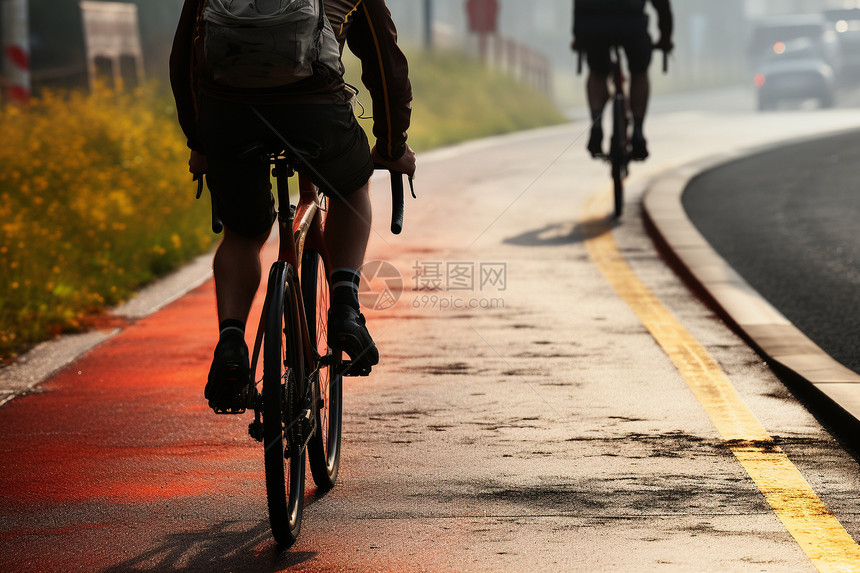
(324, 446)
(619, 152)
(618, 189)
(284, 454)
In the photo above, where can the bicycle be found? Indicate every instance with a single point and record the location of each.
(297, 404)
(619, 156)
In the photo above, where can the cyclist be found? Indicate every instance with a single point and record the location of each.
(315, 116)
(597, 26)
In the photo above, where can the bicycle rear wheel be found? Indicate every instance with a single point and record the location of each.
(618, 153)
(618, 187)
(324, 447)
(283, 370)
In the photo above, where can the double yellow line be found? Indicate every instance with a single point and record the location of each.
(804, 515)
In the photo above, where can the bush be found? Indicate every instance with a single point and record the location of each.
(95, 200)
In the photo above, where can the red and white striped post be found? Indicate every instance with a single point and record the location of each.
(16, 50)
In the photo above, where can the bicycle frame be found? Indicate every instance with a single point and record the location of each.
(619, 95)
(298, 227)
(288, 412)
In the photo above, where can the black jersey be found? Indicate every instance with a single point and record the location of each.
(584, 7)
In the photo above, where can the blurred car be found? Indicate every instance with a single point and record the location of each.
(794, 61)
(846, 24)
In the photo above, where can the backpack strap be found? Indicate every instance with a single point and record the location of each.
(321, 23)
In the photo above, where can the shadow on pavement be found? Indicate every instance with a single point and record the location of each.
(558, 234)
(222, 547)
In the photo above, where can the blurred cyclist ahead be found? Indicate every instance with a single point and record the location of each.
(597, 26)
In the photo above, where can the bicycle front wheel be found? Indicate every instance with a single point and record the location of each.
(324, 447)
(283, 370)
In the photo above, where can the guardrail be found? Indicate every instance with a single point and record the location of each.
(516, 59)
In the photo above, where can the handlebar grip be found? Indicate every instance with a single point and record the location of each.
(217, 225)
(396, 202)
(199, 178)
(665, 62)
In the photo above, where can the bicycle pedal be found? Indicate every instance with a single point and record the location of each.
(350, 368)
(227, 409)
(232, 407)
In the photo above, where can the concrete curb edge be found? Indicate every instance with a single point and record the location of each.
(758, 321)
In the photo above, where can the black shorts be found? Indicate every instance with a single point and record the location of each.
(328, 136)
(597, 34)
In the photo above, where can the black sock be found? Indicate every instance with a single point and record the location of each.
(344, 287)
(232, 327)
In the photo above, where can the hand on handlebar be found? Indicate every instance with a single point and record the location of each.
(198, 163)
(406, 163)
(665, 45)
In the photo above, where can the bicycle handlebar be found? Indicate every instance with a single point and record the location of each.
(396, 201)
(397, 198)
(217, 225)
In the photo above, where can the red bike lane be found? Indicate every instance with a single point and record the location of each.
(116, 463)
(97, 462)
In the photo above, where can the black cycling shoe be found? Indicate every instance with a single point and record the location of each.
(595, 142)
(229, 377)
(347, 332)
(638, 149)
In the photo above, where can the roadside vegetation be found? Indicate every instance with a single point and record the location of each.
(96, 201)
(457, 100)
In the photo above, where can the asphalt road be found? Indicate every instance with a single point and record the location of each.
(786, 220)
(526, 424)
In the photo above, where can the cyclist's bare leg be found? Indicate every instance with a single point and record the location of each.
(640, 91)
(237, 274)
(348, 228)
(598, 91)
(597, 88)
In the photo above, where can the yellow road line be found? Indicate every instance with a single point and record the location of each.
(816, 530)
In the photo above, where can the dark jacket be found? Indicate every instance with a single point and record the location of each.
(365, 25)
(585, 9)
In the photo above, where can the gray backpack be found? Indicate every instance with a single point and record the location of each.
(267, 43)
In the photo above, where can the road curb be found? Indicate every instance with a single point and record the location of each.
(764, 327)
